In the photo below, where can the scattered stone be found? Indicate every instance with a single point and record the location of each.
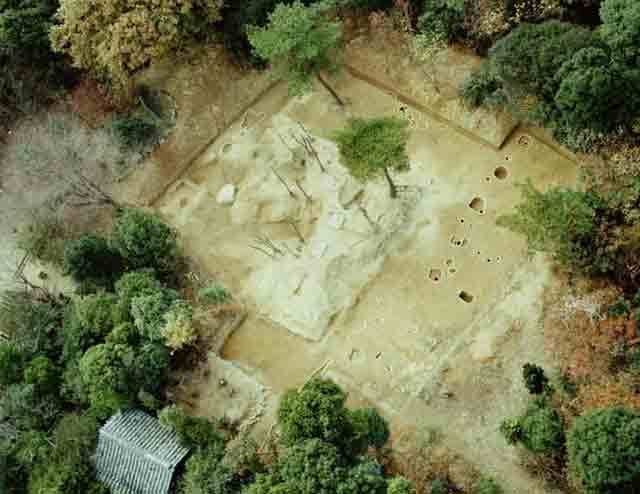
(222, 382)
(227, 194)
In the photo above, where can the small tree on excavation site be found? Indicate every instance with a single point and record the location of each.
(371, 147)
(300, 43)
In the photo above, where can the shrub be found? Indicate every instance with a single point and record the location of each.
(534, 378)
(90, 257)
(149, 311)
(372, 147)
(482, 88)
(604, 450)
(43, 374)
(144, 241)
(118, 40)
(594, 93)
(299, 42)
(193, 432)
(11, 364)
(179, 330)
(44, 238)
(135, 132)
(369, 429)
(124, 333)
(400, 485)
(541, 428)
(149, 366)
(131, 285)
(621, 28)
(104, 370)
(213, 294)
(444, 17)
(440, 486)
(367, 477)
(560, 221)
(88, 321)
(204, 473)
(312, 467)
(488, 486)
(317, 411)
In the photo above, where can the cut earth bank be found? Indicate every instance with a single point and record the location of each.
(421, 305)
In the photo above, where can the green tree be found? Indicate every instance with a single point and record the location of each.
(534, 378)
(604, 450)
(595, 93)
(88, 321)
(561, 221)
(149, 313)
(400, 485)
(105, 373)
(90, 257)
(11, 364)
(117, 40)
(369, 429)
(131, 285)
(621, 29)
(43, 374)
(539, 429)
(149, 365)
(373, 147)
(312, 467)
(145, 241)
(367, 477)
(205, 474)
(300, 42)
(193, 432)
(488, 486)
(317, 411)
(179, 330)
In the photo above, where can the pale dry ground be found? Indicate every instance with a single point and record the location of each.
(381, 304)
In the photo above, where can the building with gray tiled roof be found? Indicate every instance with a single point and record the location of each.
(137, 455)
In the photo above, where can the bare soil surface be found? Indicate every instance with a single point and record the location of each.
(419, 305)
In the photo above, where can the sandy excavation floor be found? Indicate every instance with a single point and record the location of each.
(420, 305)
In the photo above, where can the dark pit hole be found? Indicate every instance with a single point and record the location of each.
(453, 270)
(435, 275)
(501, 173)
(465, 297)
(487, 179)
(226, 148)
(489, 259)
(477, 204)
(449, 262)
(461, 220)
(499, 259)
(507, 157)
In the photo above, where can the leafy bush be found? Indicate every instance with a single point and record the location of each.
(179, 330)
(621, 29)
(367, 477)
(135, 132)
(204, 473)
(149, 313)
(43, 374)
(299, 42)
(539, 429)
(193, 432)
(317, 411)
(369, 429)
(594, 93)
(482, 88)
(11, 364)
(44, 238)
(106, 39)
(213, 294)
(149, 366)
(88, 321)
(90, 257)
(131, 285)
(488, 486)
(534, 378)
(372, 147)
(604, 450)
(444, 17)
(561, 221)
(440, 486)
(312, 467)
(144, 241)
(400, 485)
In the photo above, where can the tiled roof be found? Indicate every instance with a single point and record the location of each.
(137, 455)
